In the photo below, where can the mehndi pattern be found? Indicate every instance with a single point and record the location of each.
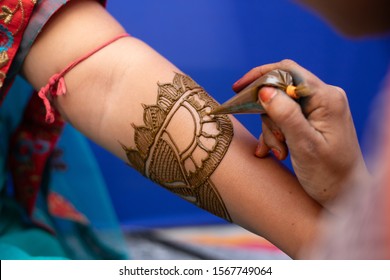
(184, 169)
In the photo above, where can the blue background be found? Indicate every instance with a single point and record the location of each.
(216, 42)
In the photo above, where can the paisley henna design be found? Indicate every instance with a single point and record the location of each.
(183, 169)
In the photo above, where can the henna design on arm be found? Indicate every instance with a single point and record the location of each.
(183, 167)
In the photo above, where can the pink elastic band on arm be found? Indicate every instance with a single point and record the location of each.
(56, 85)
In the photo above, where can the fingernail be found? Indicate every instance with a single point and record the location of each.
(267, 93)
(258, 149)
(237, 83)
(276, 153)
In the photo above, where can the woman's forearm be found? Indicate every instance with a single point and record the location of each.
(136, 104)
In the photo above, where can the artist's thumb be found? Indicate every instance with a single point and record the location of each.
(285, 113)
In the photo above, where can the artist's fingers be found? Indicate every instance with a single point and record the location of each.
(275, 130)
(300, 75)
(287, 115)
(278, 148)
(262, 149)
(268, 142)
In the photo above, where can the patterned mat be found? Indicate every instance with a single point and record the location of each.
(202, 242)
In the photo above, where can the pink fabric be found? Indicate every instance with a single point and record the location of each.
(56, 85)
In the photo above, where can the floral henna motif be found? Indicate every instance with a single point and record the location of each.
(184, 169)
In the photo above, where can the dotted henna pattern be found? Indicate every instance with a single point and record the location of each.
(184, 169)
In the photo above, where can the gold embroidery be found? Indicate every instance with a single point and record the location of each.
(7, 14)
(184, 169)
(2, 78)
(3, 58)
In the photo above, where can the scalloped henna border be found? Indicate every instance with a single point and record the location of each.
(148, 158)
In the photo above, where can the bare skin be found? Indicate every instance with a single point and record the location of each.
(108, 92)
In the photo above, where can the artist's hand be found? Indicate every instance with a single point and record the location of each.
(319, 132)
